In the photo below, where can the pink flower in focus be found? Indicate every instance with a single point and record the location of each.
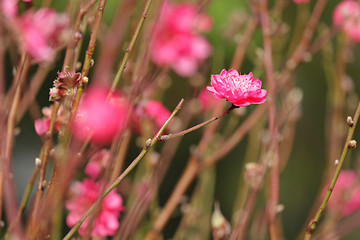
(301, 1)
(347, 16)
(41, 32)
(176, 41)
(97, 163)
(345, 197)
(240, 90)
(85, 194)
(207, 100)
(99, 118)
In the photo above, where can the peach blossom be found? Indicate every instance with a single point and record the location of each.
(97, 163)
(84, 194)
(176, 41)
(346, 15)
(345, 197)
(99, 118)
(41, 31)
(240, 90)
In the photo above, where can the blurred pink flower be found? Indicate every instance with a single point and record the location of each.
(9, 8)
(345, 197)
(97, 163)
(301, 1)
(347, 16)
(157, 112)
(240, 90)
(153, 111)
(99, 117)
(207, 100)
(84, 194)
(42, 31)
(42, 124)
(176, 41)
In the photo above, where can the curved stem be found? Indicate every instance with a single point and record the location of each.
(313, 223)
(182, 133)
(147, 147)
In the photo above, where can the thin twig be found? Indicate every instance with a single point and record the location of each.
(235, 138)
(149, 144)
(273, 128)
(24, 201)
(189, 174)
(69, 62)
(89, 53)
(241, 47)
(313, 223)
(194, 166)
(297, 55)
(182, 133)
(44, 156)
(7, 180)
(34, 87)
(130, 46)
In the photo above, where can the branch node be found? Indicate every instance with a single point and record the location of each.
(148, 143)
(350, 121)
(352, 144)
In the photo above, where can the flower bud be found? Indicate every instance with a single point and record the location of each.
(253, 174)
(43, 185)
(350, 121)
(148, 143)
(37, 162)
(219, 225)
(352, 144)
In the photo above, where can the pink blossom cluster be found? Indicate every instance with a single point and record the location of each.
(177, 42)
(39, 32)
(240, 90)
(346, 16)
(345, 198)
(84, 194)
